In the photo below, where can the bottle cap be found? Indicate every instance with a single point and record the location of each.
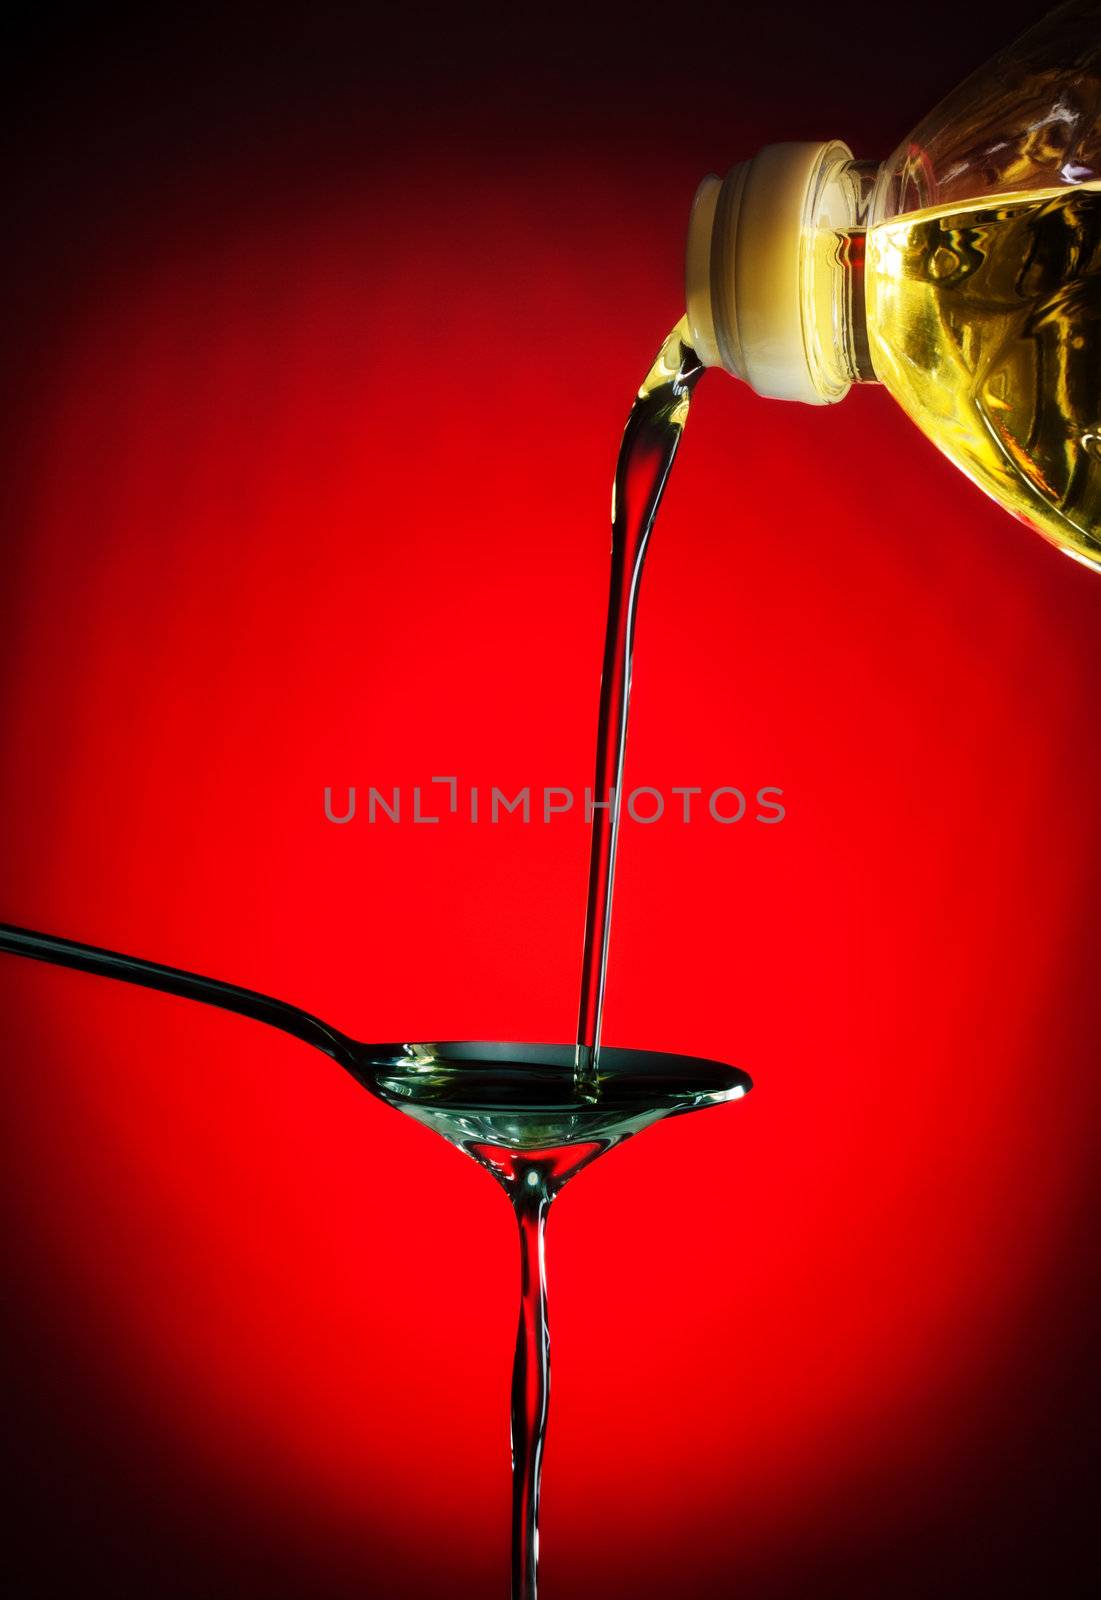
(757, 291)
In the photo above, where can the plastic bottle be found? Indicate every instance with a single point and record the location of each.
(964, 273)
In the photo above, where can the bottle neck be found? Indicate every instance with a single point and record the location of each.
(855, 349)
(775, 271)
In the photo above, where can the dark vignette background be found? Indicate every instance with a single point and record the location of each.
(209, 113)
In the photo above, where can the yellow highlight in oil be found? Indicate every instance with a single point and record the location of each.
(985, 325)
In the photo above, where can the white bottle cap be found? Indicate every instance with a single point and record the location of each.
(752, 300)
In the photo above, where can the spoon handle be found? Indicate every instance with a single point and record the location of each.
(189, 985)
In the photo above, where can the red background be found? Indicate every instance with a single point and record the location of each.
(321, 336)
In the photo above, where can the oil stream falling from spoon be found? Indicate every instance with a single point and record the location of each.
(650, 442)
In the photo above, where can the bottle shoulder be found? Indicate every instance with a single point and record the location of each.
(1027, 121)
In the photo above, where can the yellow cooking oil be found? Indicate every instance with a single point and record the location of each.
(984, 322)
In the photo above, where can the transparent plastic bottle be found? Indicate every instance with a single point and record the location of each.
(964, 274)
